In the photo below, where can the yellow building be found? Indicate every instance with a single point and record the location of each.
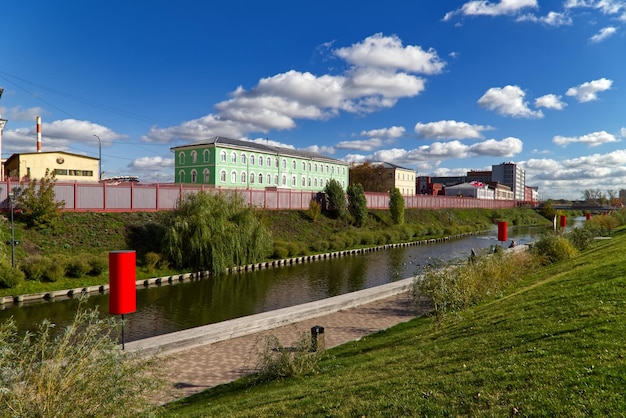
(398, 177)
(66, 166)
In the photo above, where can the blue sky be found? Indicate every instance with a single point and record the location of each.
(441, 87)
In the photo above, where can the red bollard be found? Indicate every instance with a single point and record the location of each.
(502, 231)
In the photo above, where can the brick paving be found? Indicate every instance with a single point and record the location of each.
(195, 369)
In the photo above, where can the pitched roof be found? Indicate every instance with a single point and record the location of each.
(242, 144)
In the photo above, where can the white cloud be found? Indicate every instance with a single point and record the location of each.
(19, 114)
(550, 101)
(387, 52)
(608, 7)
(391, 132)
(381, 71)
(151, 163)
(603, 34)
(588, 91)
(508, 101)
(361, 145)
(622, 132)
(486, 8)
(450, 129)
(551, 19)
(592, 140)
(326, 150)
(508, 147)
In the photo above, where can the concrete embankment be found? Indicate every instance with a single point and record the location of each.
(181, 340)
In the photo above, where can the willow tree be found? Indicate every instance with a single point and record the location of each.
(213, 232)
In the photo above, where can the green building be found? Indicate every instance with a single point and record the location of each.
(232, 163)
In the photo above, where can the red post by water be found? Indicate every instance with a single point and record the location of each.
(502, 231)
(122, 277)
(588, 215)
(563, 221)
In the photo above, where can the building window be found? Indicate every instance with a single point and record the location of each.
(243, 159)
(206, 155)
(252, 159)
(194, 157)
(206, 176)
(194, 176)
(309, 181)
(275, 179)
(181, 176)
(315, 181)
(284, 180)
(316, 167)
(309, 166)
(303, 166)
(251, 178)
(181, 157)
(223, 176)
(223, 156)
(233, 176)
(260, 178)
(303, 181)
(260, 160)
(269, 179)
(293, 164)
(269, 162)
(343, 171)
(233, 157)
(284, 163)
(243, 176)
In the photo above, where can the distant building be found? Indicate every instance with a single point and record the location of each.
(476, 189)
(233, 163)
(66, 166)
(511, 175)
(397, 177)
(484, 176)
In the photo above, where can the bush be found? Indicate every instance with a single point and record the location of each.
(336, 198)
(551, 248)
(455, 287)
(580, 238)
(396, 206)
(151, 260)
(281, 250)
(315, 209)
(276, 361)
(10, 276)
(357, 204)
(97, 265)
(76, 371)
(34, 267)
(77, 267)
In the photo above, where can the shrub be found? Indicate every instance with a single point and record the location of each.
(336, 198)
(151, 260)
(34, 267)
(97, 265)
(275, 361)
(315, 209)
(551, 248)
(281, 250)
(580, 238)
(77, 267)
(37, 203)
(357, 204)
(76, 371)
(10, 276)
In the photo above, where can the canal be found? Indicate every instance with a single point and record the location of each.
(167, 308)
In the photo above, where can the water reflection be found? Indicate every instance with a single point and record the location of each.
(169, 308)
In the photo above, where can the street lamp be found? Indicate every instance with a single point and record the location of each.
(99, 157)
(12, 196)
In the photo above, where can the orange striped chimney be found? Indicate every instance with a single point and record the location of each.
(38, 133)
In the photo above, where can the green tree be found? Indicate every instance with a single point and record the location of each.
(336, 198)
(77, 371)
(213, 232)
(37, 202)
(396, 206)
(357, 204)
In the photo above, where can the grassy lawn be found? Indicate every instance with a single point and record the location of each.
(554, 345)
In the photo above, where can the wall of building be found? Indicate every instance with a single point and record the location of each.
(221, 166)
(67, 167)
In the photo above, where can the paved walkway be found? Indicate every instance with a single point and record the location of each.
(197, 368)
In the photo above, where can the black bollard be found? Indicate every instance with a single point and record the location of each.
(317, 338)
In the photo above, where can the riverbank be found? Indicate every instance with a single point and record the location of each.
(296, 234)
(553, 345)
(64, 294)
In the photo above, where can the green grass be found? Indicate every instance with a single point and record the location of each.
(553, 345)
